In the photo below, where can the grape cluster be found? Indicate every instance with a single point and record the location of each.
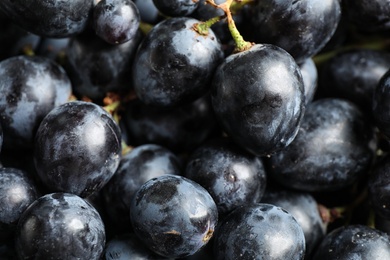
(194, 129)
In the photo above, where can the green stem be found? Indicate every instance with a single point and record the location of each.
(203, 27)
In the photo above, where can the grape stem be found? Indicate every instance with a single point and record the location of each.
(203, 27)
(241, 44)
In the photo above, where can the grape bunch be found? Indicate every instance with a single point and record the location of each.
(195, 129)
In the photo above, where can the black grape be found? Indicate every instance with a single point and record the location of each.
(173, 216)
(176, 7)
(60, 226)
(354, 242)
(174, 64)
(31, 87)
(258, 98)
(116, 21)
(148, 11)
(259, 231)
(302, 28)
(232, 176)
(368, 15)
(143, 163)
(304, 208)
(17, 192)
(77, 148)
(49, 18)
(96, 67)
(333, 149)
(354, 75)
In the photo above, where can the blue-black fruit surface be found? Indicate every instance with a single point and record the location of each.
(49, 18)
(60, 226)
(77, 148)
(31, 87)
(143, 163)
(300, 27)
(232, 176)
(259, 231)
(174, 216)
(332, 150)
(174, 64)
(258, 98)
(354, 242)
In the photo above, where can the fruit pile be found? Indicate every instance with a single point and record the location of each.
(195, 129)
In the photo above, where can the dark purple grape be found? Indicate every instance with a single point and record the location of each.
(60, 226)
(31, 87)
(332, 150)
(302, 28)
(368, 15)
(17, 192)
(354, 242)
(259, 231)
(174, 64)
(179, 129)
(354, 75)
(379, 187)
(304, 208)
(53, 48)
(116, 21)
(127, 247)
(381, 105)
(258, 98)
(143, 163)
(77, 148)
(49, 18)
(176, 7)
(96, 67)
(173, 216)
(233, 177)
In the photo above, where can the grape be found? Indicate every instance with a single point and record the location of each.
(60, 226)
(17, 192)
(77, 148)
(232, 176)
(354, 75)
(258, 98)
(96, 67)
(368, 15)
(354, 242)
(174, 64)
(331, 151)
(259, 231)
(300, 27)
(176, 7)
(148, 11)
(304, 208)
(49, 18)
(31, 87)
(116, 21)
(173, 216)
(143, 163)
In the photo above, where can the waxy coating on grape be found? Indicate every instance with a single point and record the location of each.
(77, 148)
(258, 98)
(174, 63)
(173, 216)
(60, 226)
